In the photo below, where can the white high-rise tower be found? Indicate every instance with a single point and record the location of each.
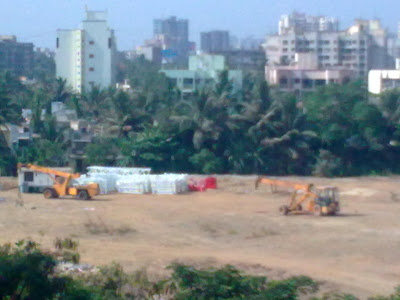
(86, 56)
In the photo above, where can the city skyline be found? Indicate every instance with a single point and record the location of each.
(37, 21)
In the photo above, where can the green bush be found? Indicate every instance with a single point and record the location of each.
(206, 162)
(229, 283)
(26, 272)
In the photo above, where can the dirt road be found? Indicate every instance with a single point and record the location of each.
(356, 251)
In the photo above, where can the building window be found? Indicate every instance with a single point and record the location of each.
(58, 42)
(188, 81)
(285, 42)
(91, 43)
(173, 81)
(91, 55)
(307, 83)
(283, 81)
(91, 69)
(109, 43)
(28, 176)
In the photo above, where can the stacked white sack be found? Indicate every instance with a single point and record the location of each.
(85, 179)
(112, 174)
(135, 184)
(168, 184)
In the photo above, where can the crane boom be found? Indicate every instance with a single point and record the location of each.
(49, 171)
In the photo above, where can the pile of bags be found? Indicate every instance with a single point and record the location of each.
(134, 181)
(166, 184)
(169, 184)
(107, 177)
(135, 184)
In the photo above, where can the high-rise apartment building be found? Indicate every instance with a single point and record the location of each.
(86, 56)
(300, 23)
(172, 36)
(360, 48)
(14, 56)
(214, 41)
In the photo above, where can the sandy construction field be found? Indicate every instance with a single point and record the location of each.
(357, 251)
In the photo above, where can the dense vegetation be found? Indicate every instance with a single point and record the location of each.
(335, 131)
(27, 272)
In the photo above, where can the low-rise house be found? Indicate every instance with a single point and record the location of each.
(203, 72)
(81, 136)
(62, 114)
(381, 80)
(304, 75)
(17, 135)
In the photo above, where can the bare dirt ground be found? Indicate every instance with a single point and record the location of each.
(357, 251)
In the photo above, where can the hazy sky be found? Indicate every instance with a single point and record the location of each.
(37, 20)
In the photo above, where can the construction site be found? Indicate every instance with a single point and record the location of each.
(274, 227)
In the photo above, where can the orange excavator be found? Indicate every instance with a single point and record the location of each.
(63, 184)
(321, 201)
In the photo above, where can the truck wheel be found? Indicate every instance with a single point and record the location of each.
(83, 195)
(48, 193)
(284, 210)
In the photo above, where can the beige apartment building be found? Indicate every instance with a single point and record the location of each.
(360, 48)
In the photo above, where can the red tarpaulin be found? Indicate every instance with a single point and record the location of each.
(202, 184)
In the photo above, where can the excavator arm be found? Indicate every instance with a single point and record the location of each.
(290, 184)
(296, 200)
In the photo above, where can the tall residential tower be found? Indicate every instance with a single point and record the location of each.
(86, 56)
(172, 36)
(214, 41)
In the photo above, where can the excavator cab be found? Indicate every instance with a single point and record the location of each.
(327, 202)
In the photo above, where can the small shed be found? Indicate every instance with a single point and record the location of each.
(30, 181)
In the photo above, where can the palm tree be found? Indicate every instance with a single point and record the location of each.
(61, 90)
(95, 102)
(276, 138)
(127, 113)
(206, 115)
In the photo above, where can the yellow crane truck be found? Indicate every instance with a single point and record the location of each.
(63, 184)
